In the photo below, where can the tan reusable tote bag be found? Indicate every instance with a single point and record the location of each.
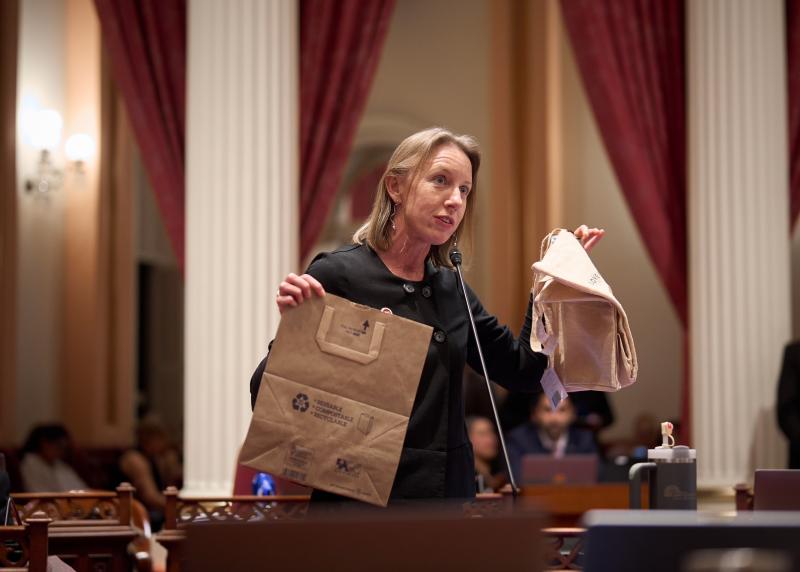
(335, 398)
(578, 322)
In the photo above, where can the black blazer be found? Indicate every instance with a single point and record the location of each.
(789, 401)
(437, 459)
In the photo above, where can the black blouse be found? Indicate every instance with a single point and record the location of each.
(437, 459)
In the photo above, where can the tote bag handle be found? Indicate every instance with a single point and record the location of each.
(343, 351)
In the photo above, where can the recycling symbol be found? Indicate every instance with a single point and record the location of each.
(300, 402)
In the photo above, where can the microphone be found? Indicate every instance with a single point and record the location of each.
(455, 258)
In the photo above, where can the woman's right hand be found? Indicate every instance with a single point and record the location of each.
(294, 290)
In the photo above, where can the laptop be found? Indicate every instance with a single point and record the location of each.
(569, 469)
(777, 490)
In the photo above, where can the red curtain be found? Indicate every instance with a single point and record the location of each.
(340, 46)
(631, 57)
(793, 57)
(146, 43)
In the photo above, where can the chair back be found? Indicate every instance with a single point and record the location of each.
(90, 530)
(100, 507)
(777, 490)
(25, 546)
(241, 508)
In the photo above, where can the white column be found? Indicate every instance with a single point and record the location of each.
(738, 233)
(241, 221)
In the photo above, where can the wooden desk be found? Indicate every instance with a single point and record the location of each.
(567, 503)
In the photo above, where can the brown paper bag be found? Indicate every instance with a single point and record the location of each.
(335, 398)
(578, 322)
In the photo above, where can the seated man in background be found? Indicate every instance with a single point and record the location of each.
(45, 467)
(484, 445)
(151, 467)
(549, 431)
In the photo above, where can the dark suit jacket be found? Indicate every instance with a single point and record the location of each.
(524, 440)
(437, 458)
(789, 401)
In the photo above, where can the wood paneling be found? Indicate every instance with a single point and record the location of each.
(98, 291)
(524, 98)
(9, 36)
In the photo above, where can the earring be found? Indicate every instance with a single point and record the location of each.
(391, 216)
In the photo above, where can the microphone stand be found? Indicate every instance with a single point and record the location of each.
(455, 258)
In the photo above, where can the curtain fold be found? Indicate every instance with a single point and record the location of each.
(340, 47)
(631, 59)
(146, 43)
(793, 81)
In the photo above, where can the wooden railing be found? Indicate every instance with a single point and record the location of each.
(24, 547)
(102, 507)
(90, 530)
(181, 512)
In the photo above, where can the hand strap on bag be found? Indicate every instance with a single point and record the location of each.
(345, 352)
(543, 330)
(540, 281)
(550, 382)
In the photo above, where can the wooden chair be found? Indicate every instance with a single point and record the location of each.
(24, 547)
(563, 548)
(90, 530)
(744, 497)
(563, 545)
(773, 489)
(180, 512)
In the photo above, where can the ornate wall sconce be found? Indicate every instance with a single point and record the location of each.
(44, 131)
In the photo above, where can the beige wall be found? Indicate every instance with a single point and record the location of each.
(64, 373)
(591, 194)
(40, 221)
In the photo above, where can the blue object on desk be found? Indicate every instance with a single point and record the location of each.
(263, 485)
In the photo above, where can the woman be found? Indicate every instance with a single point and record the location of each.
(151, 467)
(483, 439)
(45, 464)
(399, 262)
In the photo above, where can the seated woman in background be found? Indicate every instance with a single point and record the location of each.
(151, 467)
(484, 444)
(550, 431)
(44, 467)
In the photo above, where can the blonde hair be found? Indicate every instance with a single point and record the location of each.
(408, 159)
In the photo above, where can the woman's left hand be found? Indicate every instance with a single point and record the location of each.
(589, 237)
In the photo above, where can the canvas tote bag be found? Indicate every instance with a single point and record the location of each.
(335, 398)
(578, 322)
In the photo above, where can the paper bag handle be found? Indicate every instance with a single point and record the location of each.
(348, 353)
